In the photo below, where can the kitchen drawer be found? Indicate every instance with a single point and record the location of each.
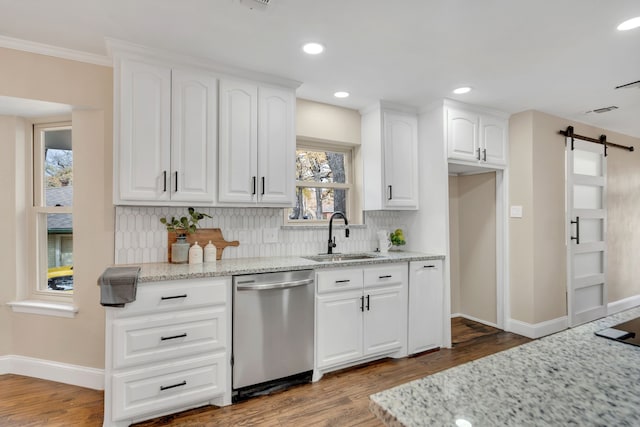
(339, 280)
(169, 386)
(384, 276)
(177, 295)
(148, 339)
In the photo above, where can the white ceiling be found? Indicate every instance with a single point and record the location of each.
(561, 57)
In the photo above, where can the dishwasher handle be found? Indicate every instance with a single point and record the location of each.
(276, 285)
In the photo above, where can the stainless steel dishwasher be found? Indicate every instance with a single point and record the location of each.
(273, 326)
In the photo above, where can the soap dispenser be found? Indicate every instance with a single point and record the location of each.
(195, 254)
(210, 252)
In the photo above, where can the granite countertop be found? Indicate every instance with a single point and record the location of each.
(154, 272)
(569, 378)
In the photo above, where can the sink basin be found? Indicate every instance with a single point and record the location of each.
(339, 257)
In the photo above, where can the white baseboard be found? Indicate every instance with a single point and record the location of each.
(475, 319)
(80, 376)
(623, 304)
(537, 330)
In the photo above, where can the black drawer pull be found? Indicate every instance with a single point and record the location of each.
(429, 266)
(167, 387)
(343, 281)
(174, 297)
(388, 276)
(173, 337)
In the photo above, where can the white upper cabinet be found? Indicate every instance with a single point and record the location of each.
(167, 134)
(475, 136)
(390, 158)
(257, 144)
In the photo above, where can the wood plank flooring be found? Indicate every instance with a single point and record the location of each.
(339, 399)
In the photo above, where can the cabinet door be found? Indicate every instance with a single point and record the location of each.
(338, 328)
(385, 319)
(493, 138)
(237, 163)
(144, 137)
(425, 305)
(400, 153)
(276, 146)
(462, 135)
(193, 136)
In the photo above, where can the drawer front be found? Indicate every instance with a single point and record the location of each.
(385, 275)
(165, 387)
(147, 339)
(339, 280)
(177, 294)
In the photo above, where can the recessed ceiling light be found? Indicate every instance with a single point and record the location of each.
(461, 90)
(313, 48)
(341, 94)
(629, 24)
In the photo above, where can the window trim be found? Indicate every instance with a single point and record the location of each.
(349, 186)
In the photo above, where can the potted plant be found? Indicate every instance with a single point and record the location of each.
(182, 226)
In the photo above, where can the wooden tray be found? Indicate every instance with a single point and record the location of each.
(202, 236)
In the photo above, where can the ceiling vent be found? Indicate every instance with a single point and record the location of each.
(256, 4)
(603, 110)
(629, 85)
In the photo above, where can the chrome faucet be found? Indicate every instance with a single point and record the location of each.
(332, 239)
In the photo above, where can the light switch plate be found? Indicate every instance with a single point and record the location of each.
(270, 235)
(516, 211)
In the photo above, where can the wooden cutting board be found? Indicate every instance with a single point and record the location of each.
(202, 236)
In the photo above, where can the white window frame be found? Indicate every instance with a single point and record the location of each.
(349, 186)
(38, 219)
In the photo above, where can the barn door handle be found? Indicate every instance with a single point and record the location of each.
(577, 223)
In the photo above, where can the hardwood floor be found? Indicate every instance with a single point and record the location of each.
(339, 399)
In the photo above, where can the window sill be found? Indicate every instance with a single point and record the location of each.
(44, 308)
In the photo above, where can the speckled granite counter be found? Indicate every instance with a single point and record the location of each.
(569, 378)
(228, 267)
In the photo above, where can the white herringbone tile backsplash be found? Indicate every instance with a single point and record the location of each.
(140, 237)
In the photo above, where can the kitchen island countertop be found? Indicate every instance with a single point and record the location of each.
(154, 272)
(572, 377)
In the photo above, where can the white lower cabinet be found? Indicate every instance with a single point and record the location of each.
(425, 305)
(169, 350)
(361, 314)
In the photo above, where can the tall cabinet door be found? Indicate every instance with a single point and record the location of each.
(462, 135)
(276, 145)
(425, 305)
(144, 145)
(237, 163)
(194, 136)
(400, 150)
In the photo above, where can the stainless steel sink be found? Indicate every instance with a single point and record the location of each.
(339, 257)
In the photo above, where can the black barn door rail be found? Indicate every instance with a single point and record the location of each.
(602, 140)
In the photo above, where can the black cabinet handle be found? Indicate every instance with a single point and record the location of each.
(176, 174)
(484, 154)
(390, 192)
(263, 185)
(367, 302)
(478, 153)
(429, 266)
(174, 297)
(173, 337)
(167, 387)
(361, 303)
(254, 179)
(164, 179)
(388, 276)
(343, 281)
(577, 223)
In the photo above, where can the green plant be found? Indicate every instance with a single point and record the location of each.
(397, 237)
(186, 224)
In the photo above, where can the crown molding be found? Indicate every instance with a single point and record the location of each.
(55, 51)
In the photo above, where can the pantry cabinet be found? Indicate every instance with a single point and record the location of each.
(390, 157)
(168, 351)
(257, 144)
(166, 134)
(475, 136)
(361, 315)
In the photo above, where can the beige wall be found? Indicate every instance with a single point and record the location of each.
(89, 89)
(537, 241)
(475, 209)
(454, 238)
(317, 121)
